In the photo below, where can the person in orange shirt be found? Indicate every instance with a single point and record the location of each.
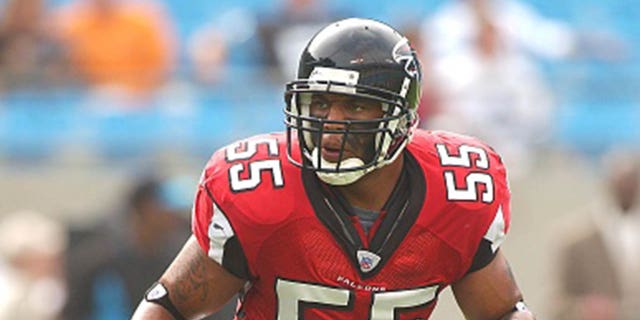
(118, 44)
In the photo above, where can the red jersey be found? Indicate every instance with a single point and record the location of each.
(306, 255)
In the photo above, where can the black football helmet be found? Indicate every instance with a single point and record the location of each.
(362, 58)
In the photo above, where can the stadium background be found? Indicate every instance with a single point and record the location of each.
(62, 155)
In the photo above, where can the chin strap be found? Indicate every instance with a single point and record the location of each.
(343, 178)
(338, 178)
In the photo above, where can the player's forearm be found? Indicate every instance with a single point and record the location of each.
(147, 311)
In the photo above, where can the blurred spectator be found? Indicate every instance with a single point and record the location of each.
(600, 265)
(207, 52)
(32, 283)
(484, 79)
(455, 25)
(119, 44)
(30, 56)
(111, 266)
(284, 33)
(491, 90)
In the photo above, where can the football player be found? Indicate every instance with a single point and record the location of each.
(352, 212)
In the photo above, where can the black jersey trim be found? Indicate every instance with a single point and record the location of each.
(484, 255)
(402, 210)
(233, 259)
(330, 210)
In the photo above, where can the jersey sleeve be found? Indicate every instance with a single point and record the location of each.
(496, 232)
(213, 229)
(469, 195)
(495, 217)
(241, 201)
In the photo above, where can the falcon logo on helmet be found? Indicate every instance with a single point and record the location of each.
(403, 54)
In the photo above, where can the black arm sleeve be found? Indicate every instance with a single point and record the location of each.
(484, 256)
(234, 259)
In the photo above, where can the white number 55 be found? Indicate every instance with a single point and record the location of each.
(292, 294)
(255, 167)
(472, 179)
